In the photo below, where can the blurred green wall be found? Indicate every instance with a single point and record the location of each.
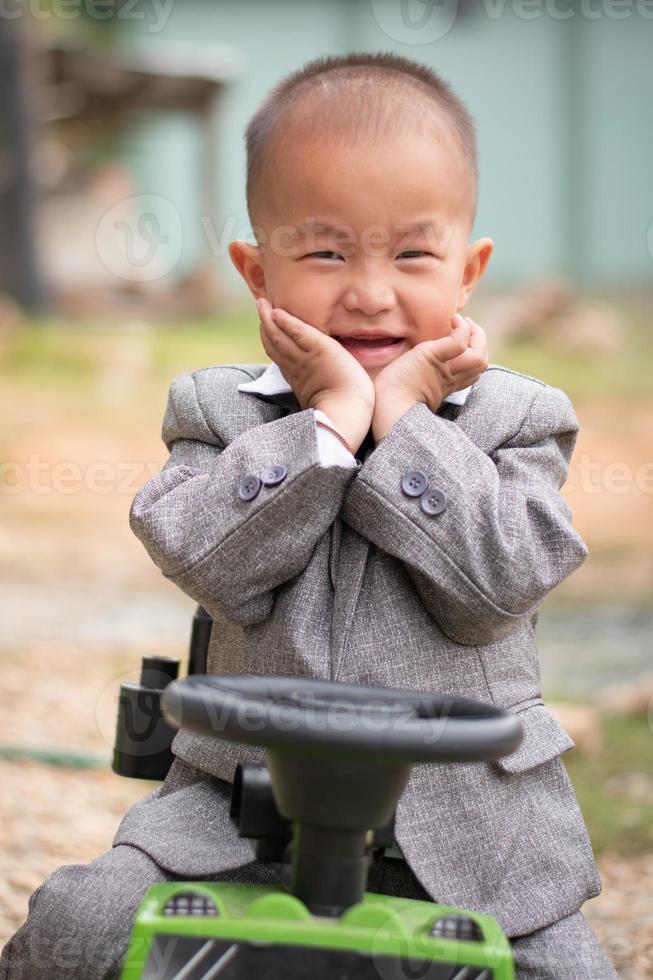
(563, 108)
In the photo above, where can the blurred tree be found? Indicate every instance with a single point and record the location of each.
(19, 274)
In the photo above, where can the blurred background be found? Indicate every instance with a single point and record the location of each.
(122, 182)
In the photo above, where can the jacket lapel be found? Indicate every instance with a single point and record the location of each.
(347, 575)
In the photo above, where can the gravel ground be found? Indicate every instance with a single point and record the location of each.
(622, 914)
(51, 816)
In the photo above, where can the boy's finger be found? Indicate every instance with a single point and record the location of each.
(461, 326)
(456, 343)
(286, 319)
(264, 311)
(294, 329)
(278, 313)
(277, 325)
(446, 348)
(470, 365)
(477, 337)
(276, 335)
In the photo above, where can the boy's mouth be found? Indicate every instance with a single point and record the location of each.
(373, 352)
(368, 343)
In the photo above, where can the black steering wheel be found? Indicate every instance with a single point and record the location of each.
(313, 714)
(339, 757)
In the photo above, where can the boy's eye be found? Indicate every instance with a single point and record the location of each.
(414, 251)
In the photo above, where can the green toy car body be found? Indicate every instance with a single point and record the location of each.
(338, 757)
(194, 930)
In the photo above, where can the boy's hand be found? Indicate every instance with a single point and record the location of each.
(428, 372)
(321, 372)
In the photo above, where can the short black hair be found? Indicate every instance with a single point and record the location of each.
(360, 94)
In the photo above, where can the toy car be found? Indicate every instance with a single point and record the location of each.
(338, 757)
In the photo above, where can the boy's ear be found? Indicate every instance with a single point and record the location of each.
(248, 260)
(478, 256)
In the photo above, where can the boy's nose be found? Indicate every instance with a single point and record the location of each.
(370, 296)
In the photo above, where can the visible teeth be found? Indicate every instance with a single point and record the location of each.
(370, 340)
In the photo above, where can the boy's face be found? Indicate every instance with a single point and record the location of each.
(370, 273)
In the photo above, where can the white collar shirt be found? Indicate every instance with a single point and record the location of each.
(332, 451)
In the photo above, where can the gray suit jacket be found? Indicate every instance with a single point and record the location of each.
(335, 572)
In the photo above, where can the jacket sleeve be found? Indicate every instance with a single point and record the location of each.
(504, 539)
(216, 546)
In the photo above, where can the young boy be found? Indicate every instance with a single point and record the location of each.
(378, 506)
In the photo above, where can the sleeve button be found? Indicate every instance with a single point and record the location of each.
(413, 483)
(273, 475)
(248, 487)
(432, 501)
